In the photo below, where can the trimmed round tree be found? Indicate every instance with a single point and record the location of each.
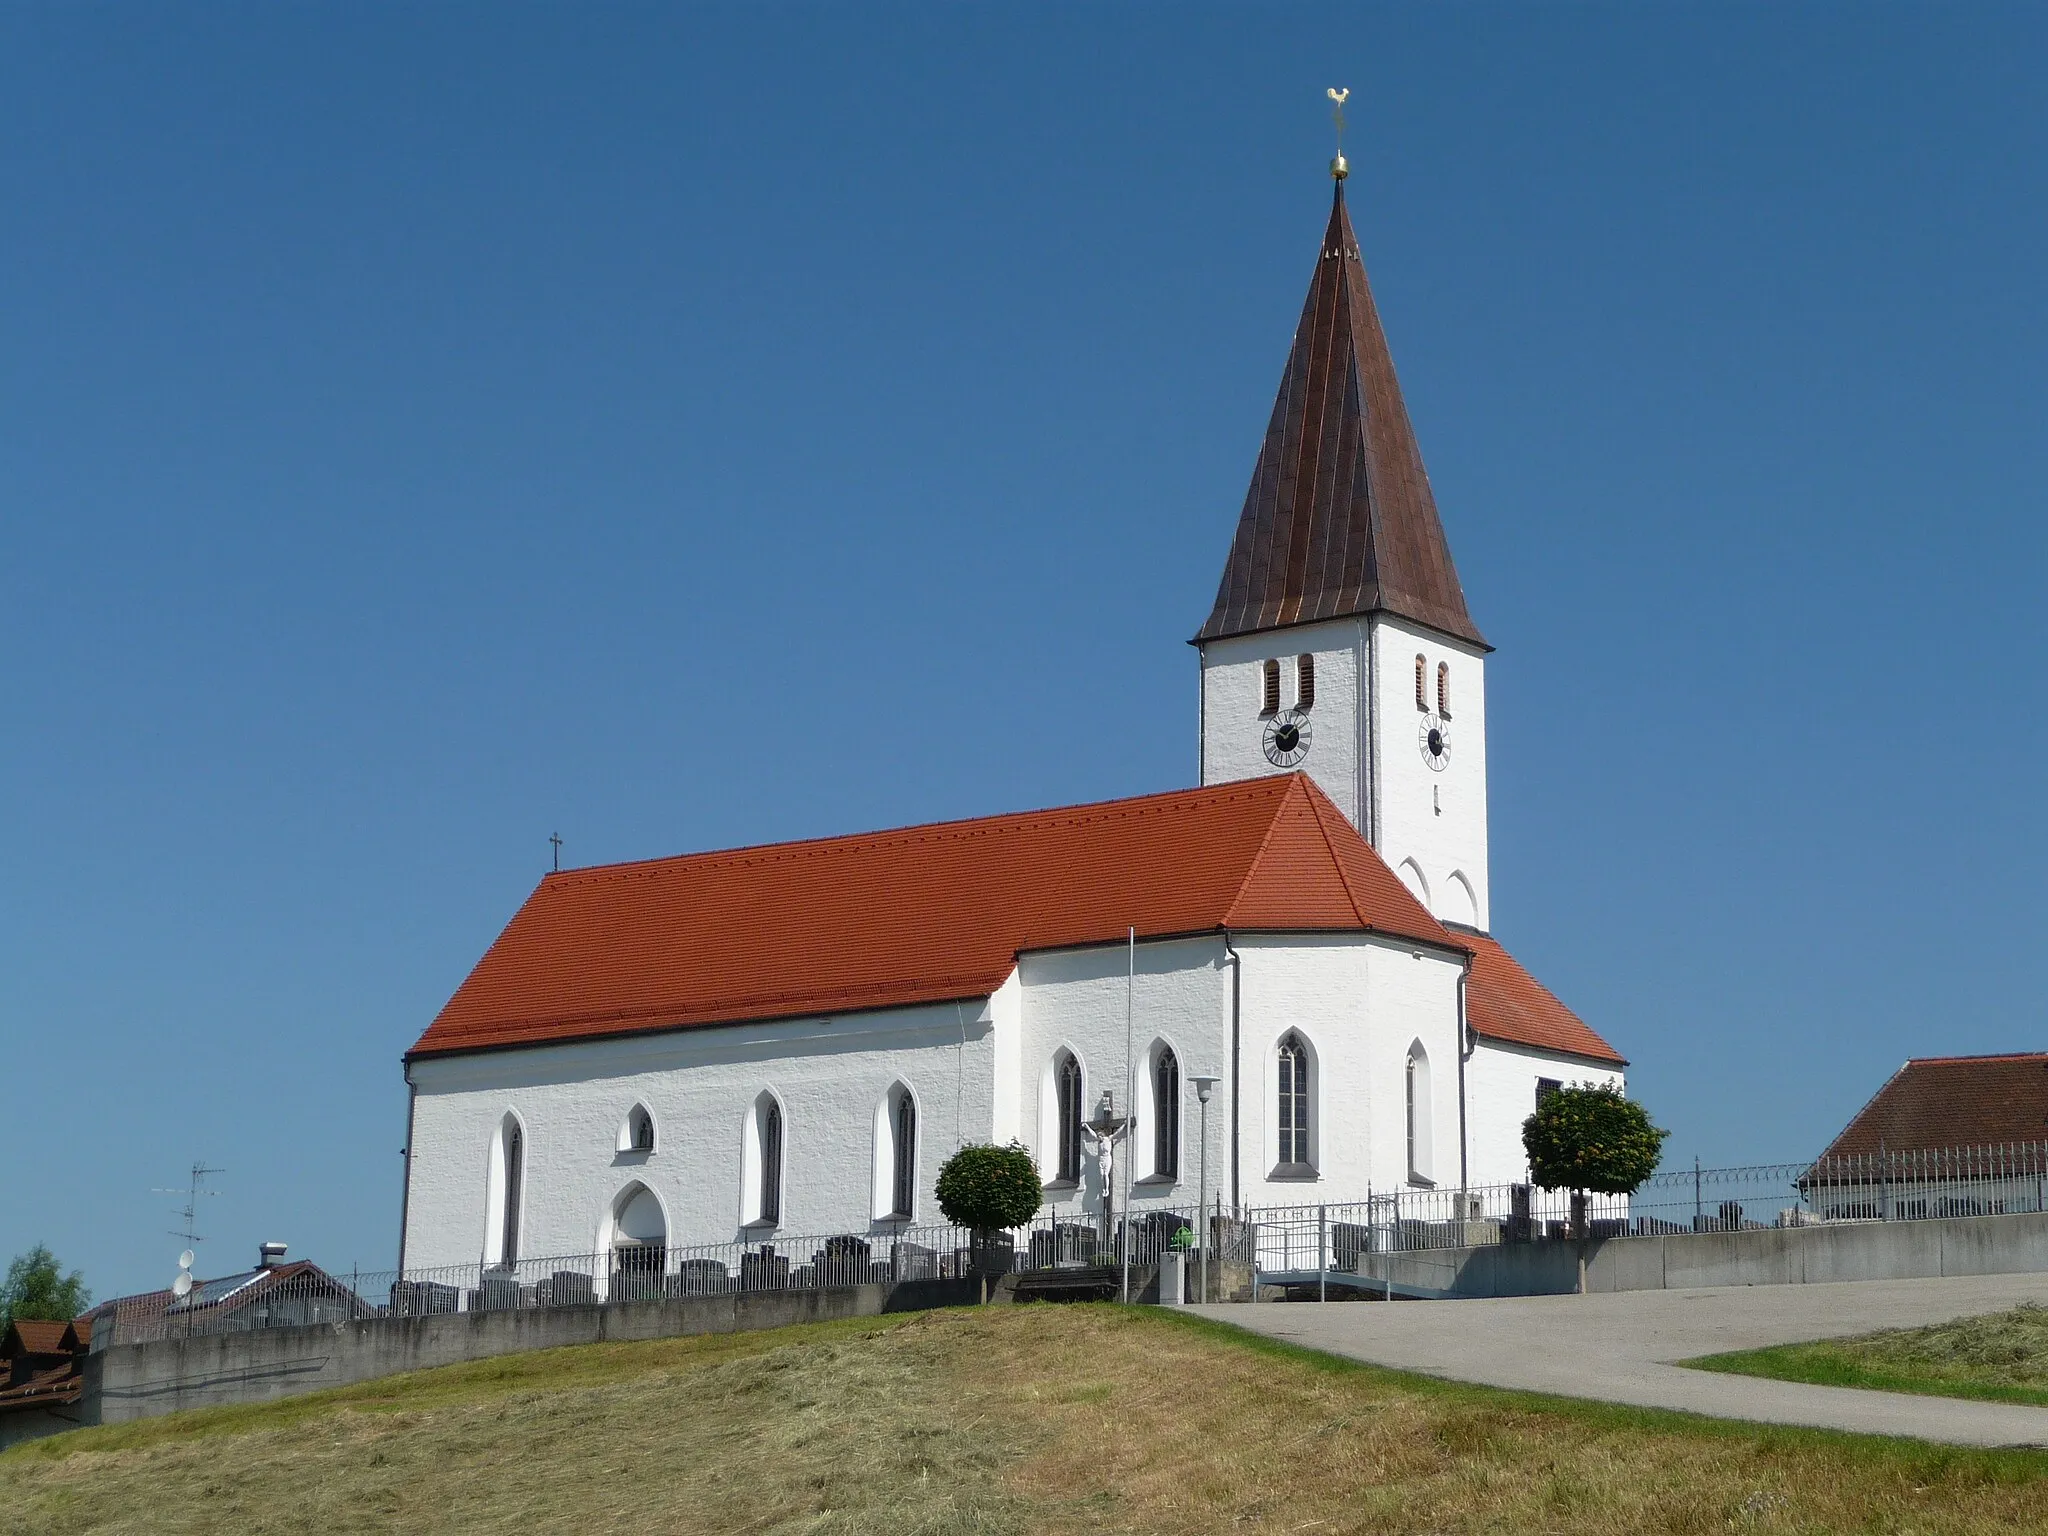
(988, 1190)
(1589, 1138)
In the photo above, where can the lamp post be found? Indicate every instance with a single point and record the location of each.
(1203, 1084)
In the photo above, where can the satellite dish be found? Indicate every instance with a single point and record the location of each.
(182, 1286)
(185, 1259)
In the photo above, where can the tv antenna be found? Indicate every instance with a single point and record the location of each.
(193, 1193)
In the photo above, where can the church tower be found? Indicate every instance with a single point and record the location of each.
(1340, 645)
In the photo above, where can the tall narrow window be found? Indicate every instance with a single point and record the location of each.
(906, 1153)
(1269, 702)
(1422, 684)
(1304, 682)
(1293, 1103)
(515, 1160)
(1443, 689)
(1067, 1078)
(1166, 1115)
(1420, 1131)
(771, 1162)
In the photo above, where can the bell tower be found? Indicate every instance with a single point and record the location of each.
(1340, 645)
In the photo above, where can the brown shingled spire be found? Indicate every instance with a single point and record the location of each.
(1339, 519)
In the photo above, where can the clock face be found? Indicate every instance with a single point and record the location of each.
(1435, 739)
(1287, 737)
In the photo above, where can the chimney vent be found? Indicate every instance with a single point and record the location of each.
(270, 1255)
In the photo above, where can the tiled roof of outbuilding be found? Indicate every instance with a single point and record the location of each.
(1937, 1102)
(1504, 1002)
(918, 915)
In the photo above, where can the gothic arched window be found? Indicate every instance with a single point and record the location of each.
(1166, 1115)
(515, 1173)
(1422, 683)
(1304, 682)
(903, 1144)
(1443, 689)
(1420, 1129)
(640, 1129)
(1269, 702)
(771, 1162)
(1294, 1107)
(1067, 1085)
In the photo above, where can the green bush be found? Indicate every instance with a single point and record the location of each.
(1591, 1138)
(989, 1189)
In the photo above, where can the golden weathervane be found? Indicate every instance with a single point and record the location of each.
(1338, 168)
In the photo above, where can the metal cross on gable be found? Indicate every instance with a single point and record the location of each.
(556, 839)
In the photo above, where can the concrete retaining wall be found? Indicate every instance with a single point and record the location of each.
(139, 1381)
(1888, 1250)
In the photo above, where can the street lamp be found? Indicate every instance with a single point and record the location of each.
(1203, 1084)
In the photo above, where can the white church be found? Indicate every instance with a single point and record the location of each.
(791, 1039)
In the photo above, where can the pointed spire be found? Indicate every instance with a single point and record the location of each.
(1339, 519)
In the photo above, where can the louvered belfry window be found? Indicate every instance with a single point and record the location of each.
(1270, 702)
(1304, 682)
(1422, 684)
(1443, 689)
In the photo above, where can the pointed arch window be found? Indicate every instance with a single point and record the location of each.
(771, 1162)
(1304, 682)
(1294, 1104)
(1269, 698)
(904, 1147)
(640, 1130)
(1422, 683)
(1421, 1132)
(1166, 1115)
(1443, 689)
(515, 1175)
(1067, 1086)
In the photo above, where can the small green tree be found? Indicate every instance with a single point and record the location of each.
(1589, 1138)
(989, 1190)
(36, 1287)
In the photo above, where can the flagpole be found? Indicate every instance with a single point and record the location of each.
(1130, 1105)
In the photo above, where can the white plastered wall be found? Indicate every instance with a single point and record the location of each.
(1233, 743)
(1500, 1093)
(1359, 1002)
(701, 1085)
(1436, 819)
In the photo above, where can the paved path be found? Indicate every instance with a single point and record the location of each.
(1618, 1347)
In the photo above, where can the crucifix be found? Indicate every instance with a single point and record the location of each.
(556, 839)
(1107, 1128)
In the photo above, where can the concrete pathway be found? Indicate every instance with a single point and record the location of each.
(1618, 1347)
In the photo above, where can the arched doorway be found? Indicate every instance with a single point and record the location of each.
(639, 1245)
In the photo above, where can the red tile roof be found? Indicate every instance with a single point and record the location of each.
(1504, 1002)
(1937, 1102)
(33, 1336)
(917, 915)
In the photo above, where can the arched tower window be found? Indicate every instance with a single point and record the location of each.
(1067, 1085)
(771, 1162)
(1293, 1103)
(1443, 689)
(1304, 682)
(1422, 683)
(1166, 1115)
(515, 1177)
(903, 1145)
(1269, 702)
(1421, 1165)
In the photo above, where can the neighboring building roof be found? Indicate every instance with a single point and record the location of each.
(1339, 519)
(43, 1365)
(1937, 1102)
(1504, 1002)
(33, 1336)
(918, 915)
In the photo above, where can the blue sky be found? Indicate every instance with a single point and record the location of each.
(426, 429)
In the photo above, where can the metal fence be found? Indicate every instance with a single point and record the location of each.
(1274, 1241)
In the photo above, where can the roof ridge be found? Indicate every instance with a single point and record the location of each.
(961, 828)
(1959, 1061)
(1251, 867)
(1343, 876)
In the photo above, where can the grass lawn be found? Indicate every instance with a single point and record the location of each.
(988, 1419)
(2002, 1357)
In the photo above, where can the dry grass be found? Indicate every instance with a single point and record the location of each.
(998, 1419)
(2002, 1357)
